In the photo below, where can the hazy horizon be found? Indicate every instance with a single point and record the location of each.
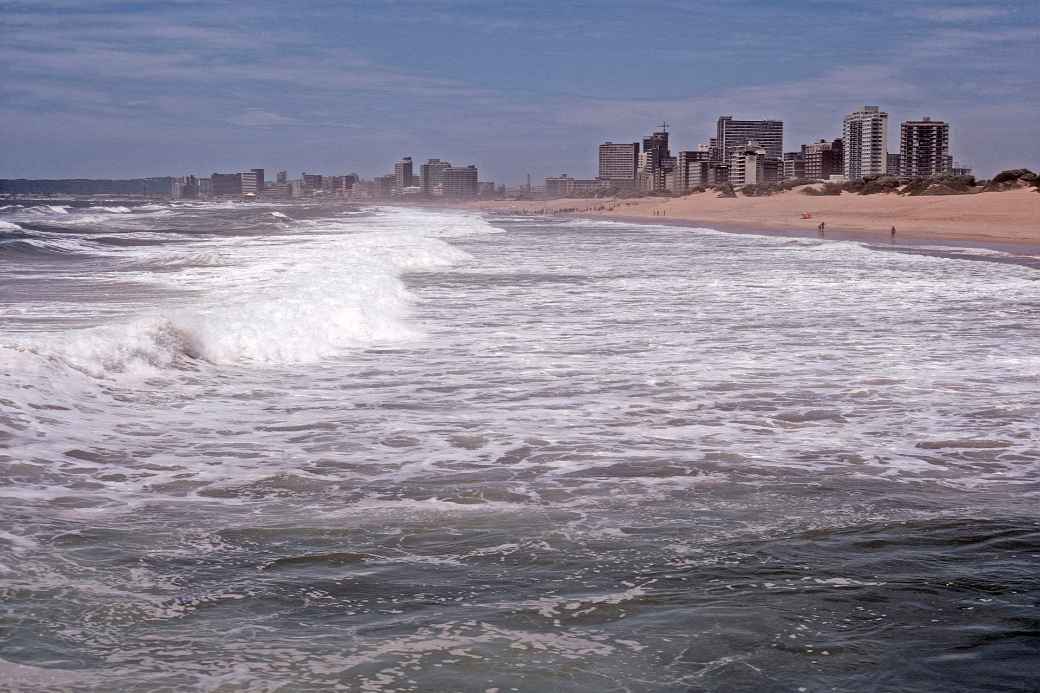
(121, 90)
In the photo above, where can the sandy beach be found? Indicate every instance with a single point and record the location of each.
(994, 218)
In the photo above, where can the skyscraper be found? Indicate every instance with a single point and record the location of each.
(259, 172)
(619, 163)
(734, 135)
(865, 142)
(924, 148)
(403, 173)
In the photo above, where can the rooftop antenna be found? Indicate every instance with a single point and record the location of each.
(664, 126)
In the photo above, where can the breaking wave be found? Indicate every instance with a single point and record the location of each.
(281, 302)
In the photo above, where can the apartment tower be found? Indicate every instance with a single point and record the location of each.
(403, 173)
(460, 181)
(924, 148)
(619, 163)
(865, 143)
(431, 176)
(734, 135)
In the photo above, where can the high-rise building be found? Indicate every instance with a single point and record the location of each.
(691, 169)
(619, 163)
(865, 143)
(748, 165)
(403, 173)
(794, 165)
(656, 148)
(460, 181)
(824, 159)
(226, 184)
(656, 161)
(313, 182)
(924, 148)
(250, 183)
(431, 176)
(259, 173)
(283, 177)
(733, 135)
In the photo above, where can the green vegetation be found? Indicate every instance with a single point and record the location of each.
(1013, 178)
(941, 185)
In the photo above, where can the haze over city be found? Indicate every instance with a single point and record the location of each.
(117, 90)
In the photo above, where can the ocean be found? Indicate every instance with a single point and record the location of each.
(308, 447)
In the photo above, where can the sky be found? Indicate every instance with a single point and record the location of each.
(109, 89)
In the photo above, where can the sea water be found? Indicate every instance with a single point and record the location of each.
(310, 447)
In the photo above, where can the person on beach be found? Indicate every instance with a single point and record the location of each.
(893, 232)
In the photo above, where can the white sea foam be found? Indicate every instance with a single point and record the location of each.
(280, 301)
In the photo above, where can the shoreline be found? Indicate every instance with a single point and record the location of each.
(1007, 222)
(857, 236)
(1023, 255)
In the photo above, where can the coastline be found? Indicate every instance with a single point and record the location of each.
(1008, 222)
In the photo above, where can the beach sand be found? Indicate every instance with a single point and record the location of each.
(996, 219)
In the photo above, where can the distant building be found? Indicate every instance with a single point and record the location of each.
(748, 165)
(824, 159)
(486, 188)
(384, 186)
(733, 135)
(959, 170)
(895, 164)
(924, 148)
(431, 176)
(313, 182)
(460, 181)
(279, 190)
(259, 173)
(691, 170)
(565, 186)
(656, 161)
(283, 177)
(226, 184)
(403, 173)
(188, 189)
(250, 183)
(342, 185)
(865, 143)
(794, 165)
(619, 163)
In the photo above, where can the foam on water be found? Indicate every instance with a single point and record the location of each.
(400, 449)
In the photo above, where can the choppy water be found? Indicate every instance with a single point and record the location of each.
(249, 447)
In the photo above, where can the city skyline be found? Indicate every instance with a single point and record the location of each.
(112, 89)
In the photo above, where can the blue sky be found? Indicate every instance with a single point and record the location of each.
(98, 88)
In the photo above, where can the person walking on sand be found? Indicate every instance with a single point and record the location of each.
(893, 233)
